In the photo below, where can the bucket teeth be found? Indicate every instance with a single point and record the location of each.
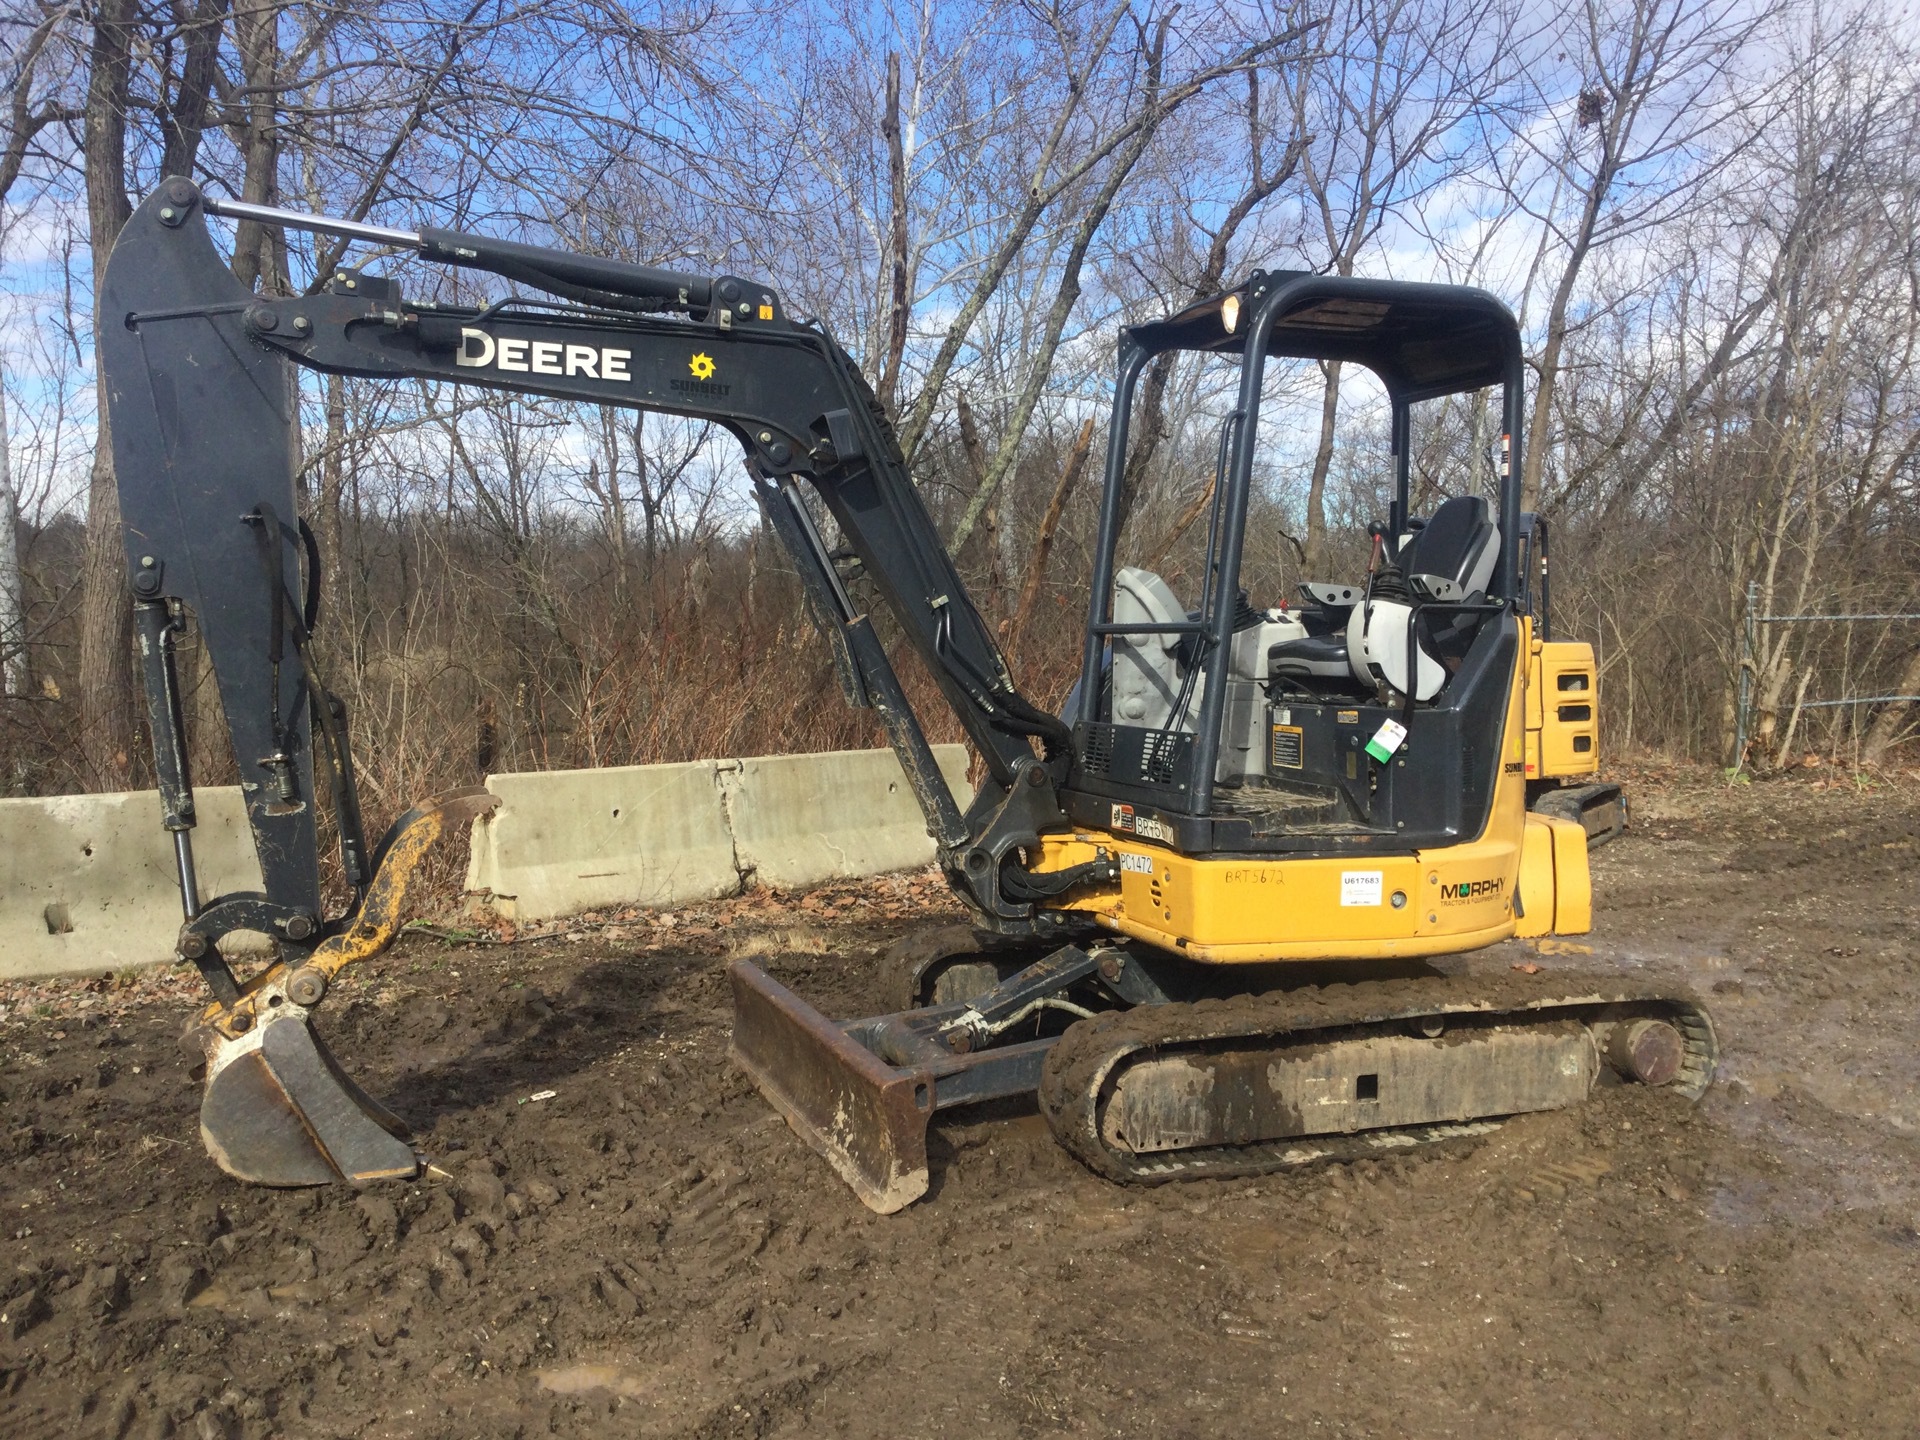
(279, 1110)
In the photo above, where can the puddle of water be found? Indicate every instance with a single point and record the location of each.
(579, 1379)
(1845, 1152)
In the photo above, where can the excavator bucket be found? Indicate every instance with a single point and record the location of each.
(866, 1117)
(278, 1109)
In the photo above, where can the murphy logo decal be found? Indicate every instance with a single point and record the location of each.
(1465, 892)
(479, 350)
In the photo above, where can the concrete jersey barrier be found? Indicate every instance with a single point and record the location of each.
(87, 881)
(572, 840)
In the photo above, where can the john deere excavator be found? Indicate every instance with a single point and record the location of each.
(1393, 767)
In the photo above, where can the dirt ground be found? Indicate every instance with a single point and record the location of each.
(650, 1252)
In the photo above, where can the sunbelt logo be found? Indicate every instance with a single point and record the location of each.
(1472, 890)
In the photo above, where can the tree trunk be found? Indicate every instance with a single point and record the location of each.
(1015, 629)
(1315, 560)
(185, 116)
(106, 615)
(898, 302)
(13, 630)
(1887, 724)
(259, 251)
(1533, 460)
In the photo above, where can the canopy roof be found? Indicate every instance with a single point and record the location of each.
(1421, 340)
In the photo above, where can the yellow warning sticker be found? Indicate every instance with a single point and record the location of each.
(1289, 747)
(701, 366)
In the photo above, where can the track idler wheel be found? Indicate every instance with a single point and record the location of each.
(1650, 1051)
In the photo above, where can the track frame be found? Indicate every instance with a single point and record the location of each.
(863, 1092)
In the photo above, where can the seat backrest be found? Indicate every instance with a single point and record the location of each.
(1146, 677)
(1460, 543)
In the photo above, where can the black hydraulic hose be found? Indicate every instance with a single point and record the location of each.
(1002, 706)
(1030, 887)
(310, 611)
(1006, 710)
(296, 623)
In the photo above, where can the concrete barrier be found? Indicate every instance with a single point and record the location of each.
(87, 881)
(801, 819)
(564, 841)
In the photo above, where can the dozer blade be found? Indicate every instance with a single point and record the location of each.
(866, 1117)
(279, 1110)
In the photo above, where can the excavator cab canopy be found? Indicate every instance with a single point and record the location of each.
(1201, 679)
(1423, 341)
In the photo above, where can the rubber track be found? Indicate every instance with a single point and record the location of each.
(1078, 1069)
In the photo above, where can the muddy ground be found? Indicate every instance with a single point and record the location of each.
(651, 1252)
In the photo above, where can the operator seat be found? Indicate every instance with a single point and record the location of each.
(1460, 543)
(1450, 558)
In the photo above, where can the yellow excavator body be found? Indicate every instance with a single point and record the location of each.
(1563, 710)
(1525, 874)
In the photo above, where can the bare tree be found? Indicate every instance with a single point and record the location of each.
(1631, 145)
(33, 105)
(13, 627)
(1384, 111)
(1709, 213)
(106, 632)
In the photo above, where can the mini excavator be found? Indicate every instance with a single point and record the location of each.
(1384, 771)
